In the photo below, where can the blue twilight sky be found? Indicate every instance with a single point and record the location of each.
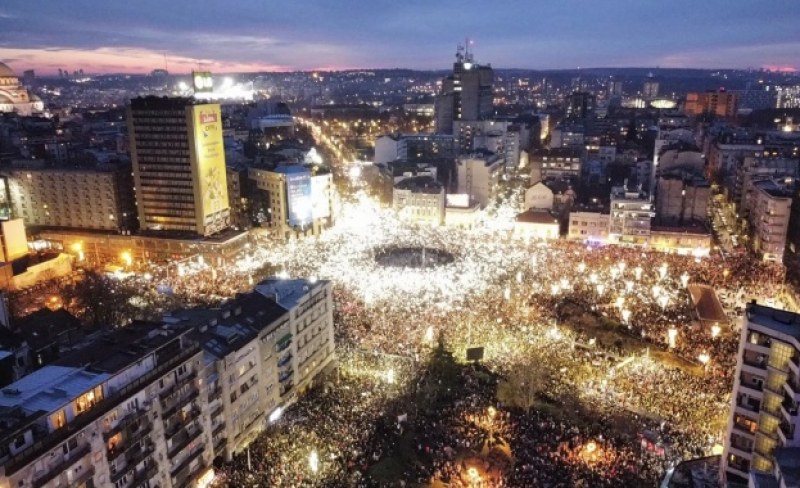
(249, 35)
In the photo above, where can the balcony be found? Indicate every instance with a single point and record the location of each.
(217, 428)
(217, 409)
(219, 444)
(750, 405)
(182, 439)
(286, 388)
(284, 360)
(285, 375)
(132, 436)
(749, 384)
(133, 457)
(182, 423)
(126, 422)
(215, 393)
(175, 389)
(786, 429)
(182, 400)
(55, 471)
(183, 472)
(141, 478)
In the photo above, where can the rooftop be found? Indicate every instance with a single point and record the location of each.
(536, 217)
(47, 389)
(420, 184)
(780, 321)
(287, 292)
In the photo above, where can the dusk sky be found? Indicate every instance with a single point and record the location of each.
(103, 36)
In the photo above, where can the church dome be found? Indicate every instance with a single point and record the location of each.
(6, 72)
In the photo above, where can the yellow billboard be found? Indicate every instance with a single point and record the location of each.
(208, 169)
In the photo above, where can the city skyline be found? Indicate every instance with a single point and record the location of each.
(137, 38)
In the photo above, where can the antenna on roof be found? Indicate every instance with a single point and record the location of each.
(165, 62)
(459, 53)
(467, 53)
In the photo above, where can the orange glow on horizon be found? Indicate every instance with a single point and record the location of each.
(125, 60)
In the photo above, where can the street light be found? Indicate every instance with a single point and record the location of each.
(715, 330)
(127, 258)
(313, 461)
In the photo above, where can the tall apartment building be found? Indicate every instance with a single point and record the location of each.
(178, 165)
(479, 176)
(630, 217)
(466, 94)
(154, 404)
(764, 415)
(99, 198)
(769, 219)
(717, 103)
(556, 163)
(300, 200)
(120, 412)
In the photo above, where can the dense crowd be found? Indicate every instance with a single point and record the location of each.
(540, 310)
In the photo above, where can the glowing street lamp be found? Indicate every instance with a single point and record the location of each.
(313, 461)
(637, 271)
(600, 288)
(78, 249)
(626, 315)
(684, 280)
(507, 294)
(662, 271)
(672, 335)
(491, 412)
(390, 376)
(663, 300)
(429, 334)
(127, 258)
(704, 358)
(715, 330)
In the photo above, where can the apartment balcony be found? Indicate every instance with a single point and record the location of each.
(55, 471)
(215, 394)
(174, 390)
(284, 360)
(183, 472)
(285, 375)
(133, 457)
(752, 389)
(179, 402)
(217, 409)
(130, 423)
(750, 408)
(217, 428)
(132, 435)
(179, 424)
(286, 388)
(219, 444)
(182, 439)
(141, 478)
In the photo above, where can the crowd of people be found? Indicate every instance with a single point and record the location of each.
(507, 296)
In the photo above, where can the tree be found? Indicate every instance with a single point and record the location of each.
(99, 300)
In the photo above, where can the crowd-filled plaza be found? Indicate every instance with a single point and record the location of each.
(585, 349)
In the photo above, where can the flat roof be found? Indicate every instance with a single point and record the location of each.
(781, 321)
(49, 388)
(289, 291)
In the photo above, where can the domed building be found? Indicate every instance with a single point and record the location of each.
(14, 97)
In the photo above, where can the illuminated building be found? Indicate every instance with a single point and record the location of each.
(466, 94)
(152, 404)
(99, 198)
(716, 103)
(300, 198)
(14, 97)
(581, 105)
(769, 218)
(788, 96)
(178, 165)
(420, 199)
(479, 176)
(630, 216)
(766, 390)
(536, 224)
(124, 413)
(413, 148)
(557, 163)
(650, 88)
(588, 226)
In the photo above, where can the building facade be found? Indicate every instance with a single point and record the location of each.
(588, 226)
(769, 219)
(154, 404)
(630, 217)
(178, 165)
(479, 176)
(420, 199)
(100, 198)
(766, 391)
(466, 94)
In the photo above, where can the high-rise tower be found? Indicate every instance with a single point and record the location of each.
(178, 165)
(466, 94)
